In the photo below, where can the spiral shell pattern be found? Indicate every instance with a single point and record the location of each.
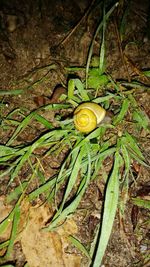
(87, 116)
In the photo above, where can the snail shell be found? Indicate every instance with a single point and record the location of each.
(87, 116)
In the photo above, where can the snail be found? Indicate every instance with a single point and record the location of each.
(87, 116)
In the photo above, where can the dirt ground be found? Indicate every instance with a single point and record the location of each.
(38, 40)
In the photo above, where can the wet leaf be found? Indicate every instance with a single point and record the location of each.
(110, 207)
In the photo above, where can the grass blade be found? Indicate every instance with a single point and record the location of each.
(60, 217)
(110, 207)
(131, 142)
(71, 88)
(79, 246)
(11, 92)
(141, 118)
(4, 244)
(21, 127)
(16, 221)
(5, 223)
(16, 192)
(93, 40)
(43, 121)
(43, 188)
(74, 174)
(103, 98)
(23, 159)
(144, 203)
(82, 91)
(126, 158)
(7, 151)
(123, 111)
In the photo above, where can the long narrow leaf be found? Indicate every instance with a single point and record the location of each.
(74, 174)
(126, 158)
(123, 111)
(43, 121)
(4, 244)
(60, 217)
(71, 88)
(15, 225)
(21, 127)
(144, 203)
(24, 158)
(110, 207)
(5, 223)
(6, 150)
(79, 246)
(131, 142)
(93, 40)
(82, 91)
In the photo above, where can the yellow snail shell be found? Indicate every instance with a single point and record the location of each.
(87, 116)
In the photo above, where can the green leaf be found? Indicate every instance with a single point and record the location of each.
(126, 158)
(71, 88)
(123, 111)
(60, 216)
(16, 192)
(143, 203)
(11, 92)
(7, 151)
(74, 174)
(15, 225)
(138, 159)
(110, 207)
(141, 118)
(124, 195)
(43, 121)
(79, 246)
(51, 135)
(5, 223)
(45, 187)
(96, 80)
(103, 98)
(4, 244)
(20, 164)
(146, 73)
(83, 93)
(130, 141)
(55, 107)
(93, 40)
(21, 127)
(73, 69)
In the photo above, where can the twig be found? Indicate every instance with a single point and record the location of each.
(76, 26)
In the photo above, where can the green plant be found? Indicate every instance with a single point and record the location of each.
(85, 153)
